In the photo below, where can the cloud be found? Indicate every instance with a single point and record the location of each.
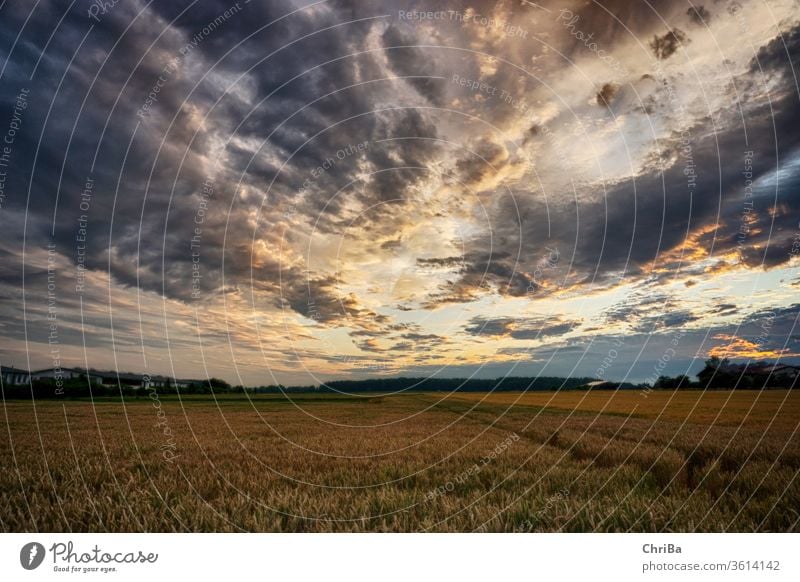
(724, 309)
(525, 328)
(306, 172)
(741, 348)
(699, 15)
(665, 46)
(668, 319)
(443, 262)
(606, 94)
(781, 54)
(408, 60)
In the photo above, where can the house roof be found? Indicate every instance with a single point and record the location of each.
(121, 376)
(130, 376)
(78, 370)
(756, 368)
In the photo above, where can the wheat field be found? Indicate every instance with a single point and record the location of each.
(507, 462)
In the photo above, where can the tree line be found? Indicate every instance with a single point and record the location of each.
(716, 374)
(720, 374)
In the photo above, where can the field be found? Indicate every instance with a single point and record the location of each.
(503, 462)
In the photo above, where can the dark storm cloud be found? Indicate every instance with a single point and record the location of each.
(404, 160)
(124, 79)
(724, 309)
(669, 319)
(499, 271)
(782, 322)
(409, 342)
(177, 181)
(665, 46)
(442, 262)
(613, 21)
(638, 220)
(699, 15)
(149, 82)
(485, 159)
(637, 305)
(781, 54)
(606, 94)
(520, 328)
(53, 314)
(413, 342)
(489, 326)
(410, 61)
(321, 300)
(536, 331)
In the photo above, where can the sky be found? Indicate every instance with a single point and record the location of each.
(298, 192)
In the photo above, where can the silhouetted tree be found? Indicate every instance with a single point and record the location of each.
(681, 382)
(714, 374)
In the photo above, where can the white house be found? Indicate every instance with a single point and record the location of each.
(14, 376)
(101, 378)
(66, 374)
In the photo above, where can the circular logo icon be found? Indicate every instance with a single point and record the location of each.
(31, 555)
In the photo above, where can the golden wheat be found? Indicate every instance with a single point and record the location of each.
(412, 462)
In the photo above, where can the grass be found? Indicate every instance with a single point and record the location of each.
(571, 461)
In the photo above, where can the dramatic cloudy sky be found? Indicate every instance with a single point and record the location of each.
(293, 191)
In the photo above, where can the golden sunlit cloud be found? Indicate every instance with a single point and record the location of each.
(737, 347)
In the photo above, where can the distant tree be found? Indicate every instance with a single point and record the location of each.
(663, 383)
(219, 385)
(681, 382)
(714, 374)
